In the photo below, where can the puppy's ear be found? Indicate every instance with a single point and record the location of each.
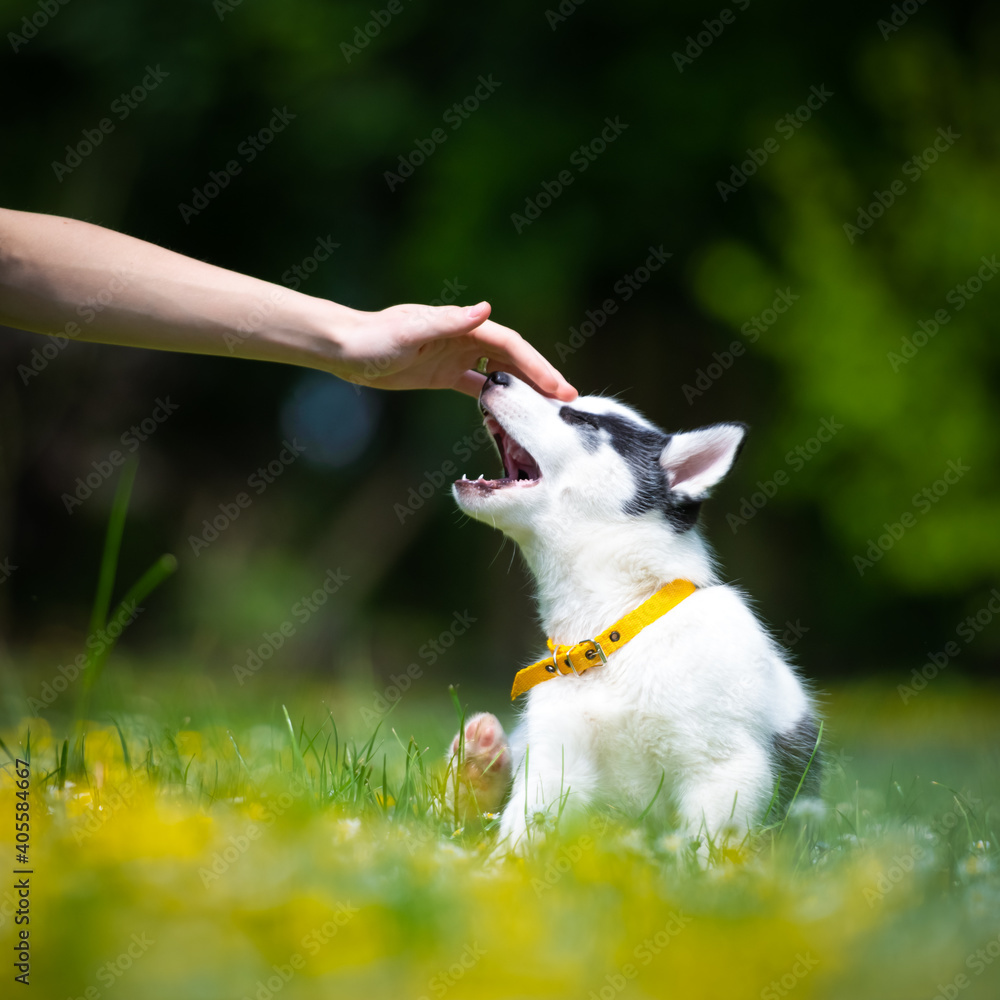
(695, 461)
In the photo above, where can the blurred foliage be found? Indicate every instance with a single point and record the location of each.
(208, 854)
(448, 225)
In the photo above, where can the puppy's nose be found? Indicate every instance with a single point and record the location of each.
(498, 378)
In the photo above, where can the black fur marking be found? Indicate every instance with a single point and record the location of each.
(641, 448)
(790, 753)
(586, 423)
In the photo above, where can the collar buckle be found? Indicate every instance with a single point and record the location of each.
(626, 628)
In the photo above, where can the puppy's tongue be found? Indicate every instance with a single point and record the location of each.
(518, 464)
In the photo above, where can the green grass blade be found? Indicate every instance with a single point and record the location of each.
(798, 787)
(645, 812)
(385, 787)
(232, 739)
(112, 546)
(336, 742)
(772, 803)
(63, 763)
(125, 753)
(96, 659)
(297, 761)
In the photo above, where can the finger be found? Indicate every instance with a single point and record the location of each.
(439, 322)
(504, 346)
(471, 383)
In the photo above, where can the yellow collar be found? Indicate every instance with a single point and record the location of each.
(589, 652)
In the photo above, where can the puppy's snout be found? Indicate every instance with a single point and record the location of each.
(498, 378)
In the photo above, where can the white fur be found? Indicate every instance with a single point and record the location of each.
(697, 696)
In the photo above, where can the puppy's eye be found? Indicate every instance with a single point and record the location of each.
(579, 418)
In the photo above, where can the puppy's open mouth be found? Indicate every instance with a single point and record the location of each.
(519, 468)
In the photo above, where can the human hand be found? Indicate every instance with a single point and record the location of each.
(438, 347)
(49, 265)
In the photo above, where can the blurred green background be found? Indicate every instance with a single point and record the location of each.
(782, 157)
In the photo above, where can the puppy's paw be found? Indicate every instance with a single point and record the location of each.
(482, 765)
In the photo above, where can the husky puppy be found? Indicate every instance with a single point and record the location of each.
(699, 703)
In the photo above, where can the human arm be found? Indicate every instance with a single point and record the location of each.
(63, 276)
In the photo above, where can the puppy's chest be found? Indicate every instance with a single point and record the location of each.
(633, 716)
(631, 753)
(633, 728)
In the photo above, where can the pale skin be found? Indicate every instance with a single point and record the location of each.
(142, 295)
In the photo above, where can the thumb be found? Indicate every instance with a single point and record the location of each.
(455, 321)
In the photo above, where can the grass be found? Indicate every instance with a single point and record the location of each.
(188, 840)
(290, 847)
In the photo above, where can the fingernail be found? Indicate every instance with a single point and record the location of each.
(475, 310)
